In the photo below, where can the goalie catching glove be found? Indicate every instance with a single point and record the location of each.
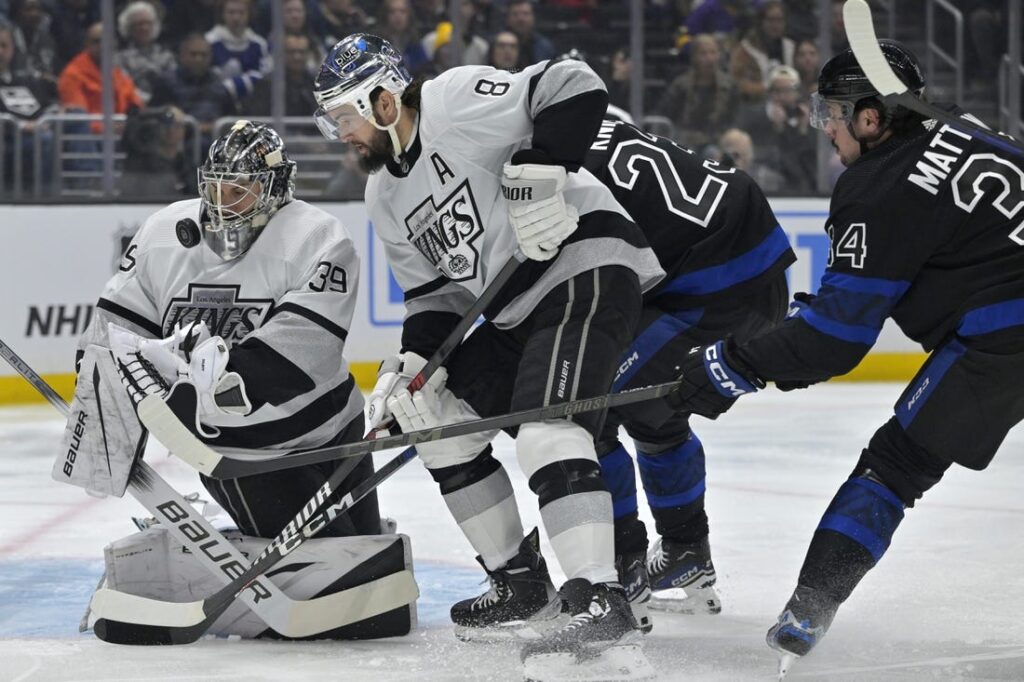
(190, 354)
(536, 207)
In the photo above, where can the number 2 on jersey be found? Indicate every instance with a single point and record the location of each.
(632, 157)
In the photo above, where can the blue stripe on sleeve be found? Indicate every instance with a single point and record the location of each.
(846, 332)
(992, 318)
(732, 272)
(853, 308)
(889, 288)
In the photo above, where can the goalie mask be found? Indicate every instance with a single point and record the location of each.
(245, 179)
(351, 72)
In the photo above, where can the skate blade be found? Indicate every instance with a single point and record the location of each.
(786, 661)
(699, 602)
(619, 663)
(547, 620)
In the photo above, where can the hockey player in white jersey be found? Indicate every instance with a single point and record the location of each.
(467, 168)
(248, 293)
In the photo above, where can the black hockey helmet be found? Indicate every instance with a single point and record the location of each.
(842, 80)
(245, 179)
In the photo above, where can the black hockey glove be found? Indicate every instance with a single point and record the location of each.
(712, 378)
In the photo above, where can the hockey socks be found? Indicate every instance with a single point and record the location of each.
(851, 537)
(674, 483)
(480, 498)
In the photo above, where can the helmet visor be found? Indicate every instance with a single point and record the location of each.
(233, 197)
(338, 121)
(839, 112)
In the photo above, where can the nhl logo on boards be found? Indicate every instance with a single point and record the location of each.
(444, 233)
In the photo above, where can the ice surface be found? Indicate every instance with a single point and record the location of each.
(944, 604)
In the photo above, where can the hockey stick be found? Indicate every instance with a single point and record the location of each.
(861, 33)
(288, 617)
(164, 423)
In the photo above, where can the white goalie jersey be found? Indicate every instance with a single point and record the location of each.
(284, 308)
(440, 213)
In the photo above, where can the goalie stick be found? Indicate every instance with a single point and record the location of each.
(130, 619)
(861, 33)
(163, 422)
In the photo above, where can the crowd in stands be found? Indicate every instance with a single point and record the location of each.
(727, 78)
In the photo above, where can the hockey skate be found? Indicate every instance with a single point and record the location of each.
(802, 624)
(632, 569)
(682, 578)
(520, 604)
(601, 640)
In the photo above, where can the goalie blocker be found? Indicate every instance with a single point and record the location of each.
(154, 565)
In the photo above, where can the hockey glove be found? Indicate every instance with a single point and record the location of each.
(393, 378)
(432, 406)
(154, 366)
(536, 208)
(712, 378)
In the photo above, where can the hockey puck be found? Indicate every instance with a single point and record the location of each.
(188, 232)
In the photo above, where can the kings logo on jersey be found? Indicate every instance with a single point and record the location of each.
(227, 314)
(445, 233)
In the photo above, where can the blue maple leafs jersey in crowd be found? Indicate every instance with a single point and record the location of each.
(442, 218)
(710, 227)
(927, 229)
(284, 308)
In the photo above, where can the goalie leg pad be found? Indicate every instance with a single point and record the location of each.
(152, 564)
(103, 436)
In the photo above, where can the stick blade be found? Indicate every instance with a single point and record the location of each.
(860, 31)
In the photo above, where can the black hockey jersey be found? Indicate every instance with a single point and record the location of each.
(711, 227)
(925, 229)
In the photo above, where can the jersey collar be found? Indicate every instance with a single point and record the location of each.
(401, 166)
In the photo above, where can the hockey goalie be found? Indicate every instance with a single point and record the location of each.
(241, 299)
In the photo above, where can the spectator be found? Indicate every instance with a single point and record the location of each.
(808, 63)
(143, 59)
(155, 166)
(195, 87)
(533, 47)
(396, 24)
(702, 101)
(763, 47)
(35, 48)
(721, 18)
(241, 56)
(504, 52)
(802, 19)
(80, 83)
(332, 20)
(295, 19)
(298, 96)
(474, 47)
(737, 150)
(430, 12)
(185, 17)
(71, 21)
(781, 128)
(26, 97)
(620, 78)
